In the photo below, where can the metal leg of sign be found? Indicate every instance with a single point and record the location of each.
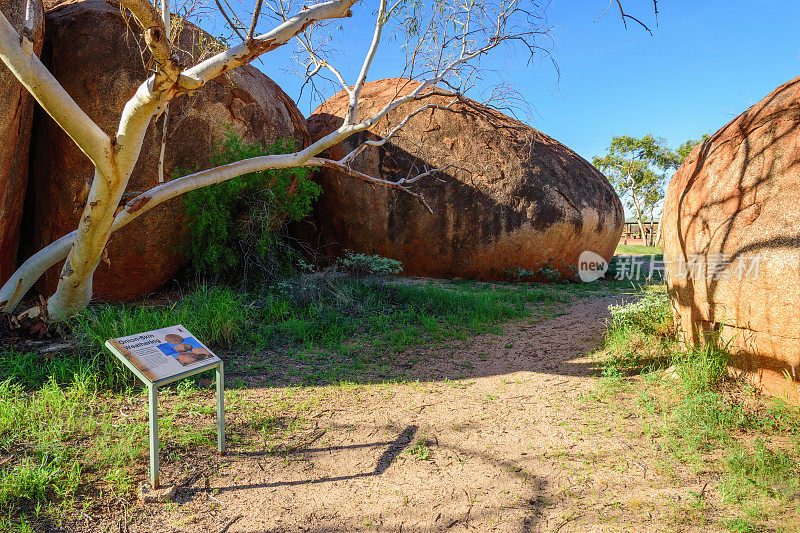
(152, 391)
(220, 409)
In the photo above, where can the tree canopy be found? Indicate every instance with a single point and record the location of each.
(637, 169)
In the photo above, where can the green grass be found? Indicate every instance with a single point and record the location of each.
(63, 449)
(32, 370)
(704, 418)
(66, 443)
(638, 249)
(391, 314)
(420, 450)
(330, 328)
(759, 470)
(42, 435)
(639, 336)
(326, 331)
(218, 315)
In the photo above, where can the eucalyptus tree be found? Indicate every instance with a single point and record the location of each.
(637, 170)
(686, 148)
(652, 198)
(442, 41)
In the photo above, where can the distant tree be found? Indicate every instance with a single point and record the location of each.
(637, 170)
(685, 149)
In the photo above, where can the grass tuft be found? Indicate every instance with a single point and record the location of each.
(704, 414)
(218, 315)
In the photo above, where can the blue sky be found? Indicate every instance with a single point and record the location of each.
(706, 62)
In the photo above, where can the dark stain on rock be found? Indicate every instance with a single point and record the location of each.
(507, 207)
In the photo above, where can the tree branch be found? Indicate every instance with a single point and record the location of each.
(362, 76)
(35, 266)
(30, 71)
(156, 37)
(32, 21)
(626, 16)
(243, 53)
(254, 21)
(100, 218)
(228, 20)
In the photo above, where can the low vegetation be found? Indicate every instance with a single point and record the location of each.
(63, 443)
(706, 419)
(72, 419)
(638, 249)
(330, 325)
(72, 429)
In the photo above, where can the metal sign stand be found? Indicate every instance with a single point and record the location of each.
(152, 393)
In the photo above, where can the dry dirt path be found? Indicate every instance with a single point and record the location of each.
(524, 442)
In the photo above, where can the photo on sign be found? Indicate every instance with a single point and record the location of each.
(186, 350)
(163, 353)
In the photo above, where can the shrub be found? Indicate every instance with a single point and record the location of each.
(235, 225)
(369, 265)
(639, 335)
(650, 315)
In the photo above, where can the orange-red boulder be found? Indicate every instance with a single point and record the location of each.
(16, 113)
(731, 228)
(513, 199)
(100, 60)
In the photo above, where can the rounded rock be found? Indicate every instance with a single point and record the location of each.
(510, 200)
(732, 240)
(16, 115)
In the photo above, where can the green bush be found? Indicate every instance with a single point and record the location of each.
(650, 315)
(235, 225)
(639, 336)
(369, 265)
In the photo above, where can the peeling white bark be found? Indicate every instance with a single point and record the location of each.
(165, 14)
(74, 289)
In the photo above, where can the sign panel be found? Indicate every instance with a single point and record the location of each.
(163, 353)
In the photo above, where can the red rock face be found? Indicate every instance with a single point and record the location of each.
(736, 202)
(98, 59)
(16, 113)
(519, 200)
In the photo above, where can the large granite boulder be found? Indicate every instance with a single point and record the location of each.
(731, 228)
(513, 199)
(100, 60)
(16, 114)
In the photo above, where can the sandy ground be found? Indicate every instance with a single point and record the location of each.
(522, 442)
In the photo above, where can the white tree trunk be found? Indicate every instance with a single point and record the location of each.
(639, 217)
(165, 14)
